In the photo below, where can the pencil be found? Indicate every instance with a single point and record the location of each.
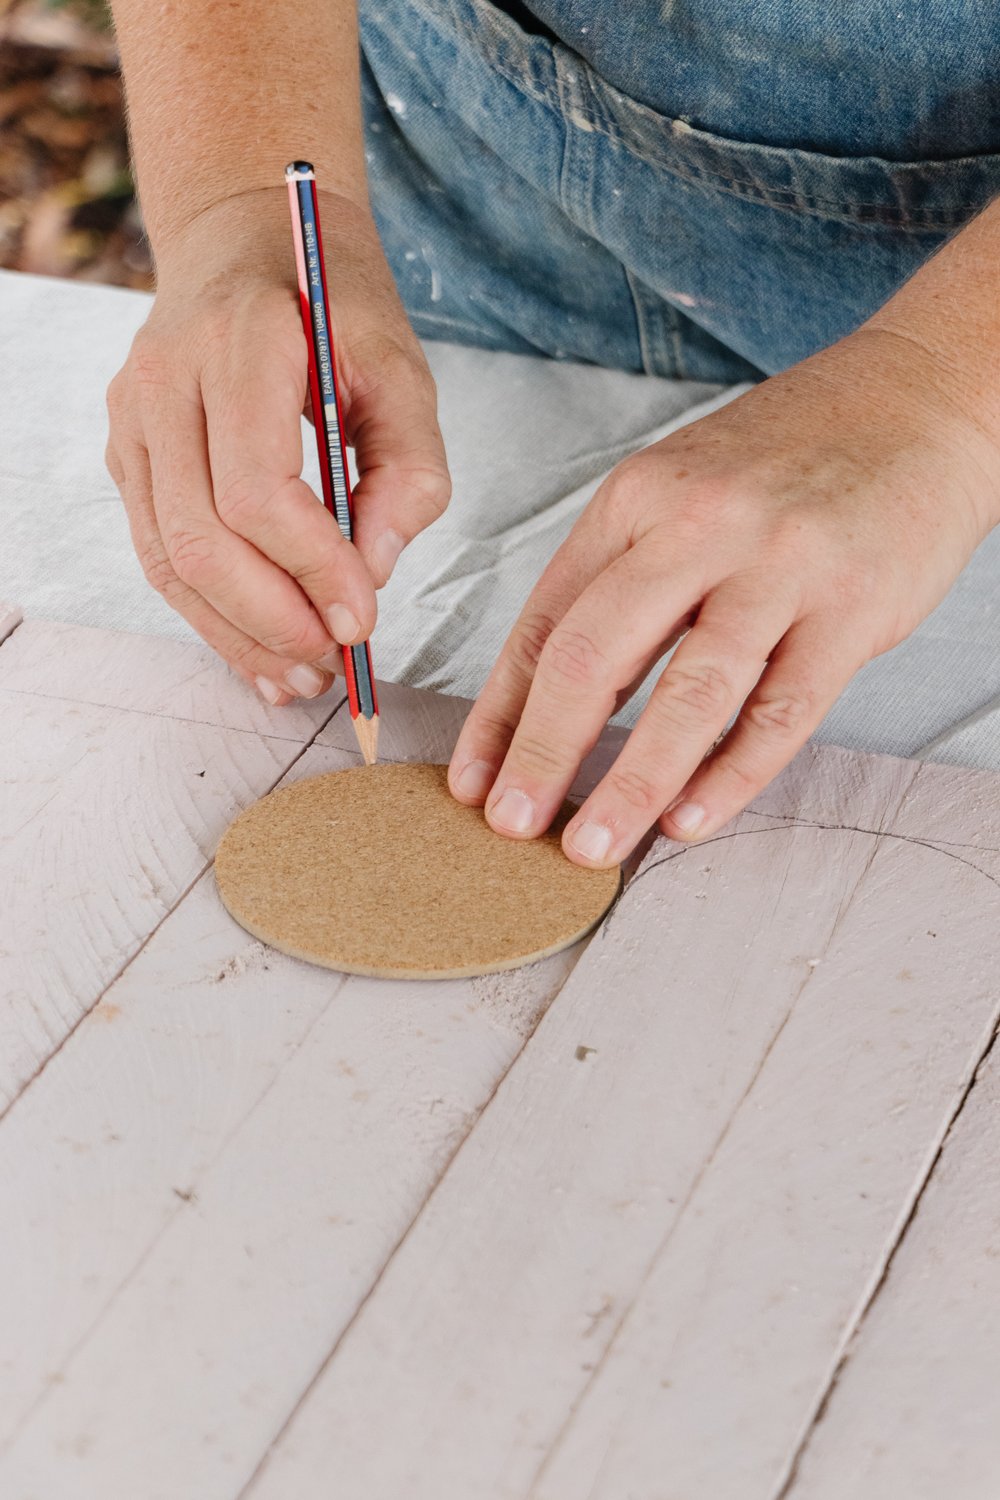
(314, 305)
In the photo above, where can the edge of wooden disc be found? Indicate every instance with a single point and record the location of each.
(469, 971)
(256, 920)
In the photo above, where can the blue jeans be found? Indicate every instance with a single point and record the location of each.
(708, 189)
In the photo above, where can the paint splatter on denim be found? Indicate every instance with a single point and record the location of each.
(702, 188)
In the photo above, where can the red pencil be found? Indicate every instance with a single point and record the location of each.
(314, 304)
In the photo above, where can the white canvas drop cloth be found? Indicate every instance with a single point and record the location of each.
(528, 442)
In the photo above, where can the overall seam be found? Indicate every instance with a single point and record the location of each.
(861, 212)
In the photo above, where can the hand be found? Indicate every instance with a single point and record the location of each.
(793, 534)
(205, 441)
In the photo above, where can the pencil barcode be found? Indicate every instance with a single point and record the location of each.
(337, 470)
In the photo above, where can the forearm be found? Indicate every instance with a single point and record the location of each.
(951, 309)
(222, 95)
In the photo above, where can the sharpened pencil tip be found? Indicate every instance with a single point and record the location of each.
(367, 733)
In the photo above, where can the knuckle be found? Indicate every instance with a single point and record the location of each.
(637, 789)
(573, 658)
(115, 397)
(431, 488)
(239, 502)
(529, 641)
(625, 485)
(719, 506)
(383, 360)
(537, 757)
(740, 782)
(296, 638)
(703, 694)
(149, 371)
(193, 556)
(158, 572)
(244, 653)
(494, 725)
(788, 713)
(114, 465)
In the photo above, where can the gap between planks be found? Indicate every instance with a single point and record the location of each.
(712, 1154)
(787, 1485)
(182, 896)
(888, 1241)
(785, 1488)
(493, 1082)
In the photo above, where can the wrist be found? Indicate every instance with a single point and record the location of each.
(945, 398)
(249, 234)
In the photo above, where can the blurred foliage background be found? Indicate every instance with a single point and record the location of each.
(67, 206)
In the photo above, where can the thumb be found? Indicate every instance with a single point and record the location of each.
(391, 421)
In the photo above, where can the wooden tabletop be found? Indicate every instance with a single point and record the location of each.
(709, 1210)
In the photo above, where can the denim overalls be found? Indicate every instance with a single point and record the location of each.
(702, 188)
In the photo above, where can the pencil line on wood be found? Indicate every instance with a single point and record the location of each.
(6, 1109)
(853, 1330)
(153, 713)
(642, 1279)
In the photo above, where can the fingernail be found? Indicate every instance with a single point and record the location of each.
(267, 689)
(688, 816)
(513, 811)
(386, 552)
(475, 779)
(344, 627)
(304, 680)
(333, 662)
(592, 840)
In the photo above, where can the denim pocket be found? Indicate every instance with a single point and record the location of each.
(929, 196)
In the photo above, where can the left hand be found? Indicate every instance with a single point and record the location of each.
(794, 534)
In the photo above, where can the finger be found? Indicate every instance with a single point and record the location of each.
(253, 414)
(237, 580)
(274, 677)
(491, 724)
(114, 465)
(710, 675)
(806, 675)
(403, 480)
(593, 653)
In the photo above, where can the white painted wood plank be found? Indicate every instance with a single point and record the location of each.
(729, 1348)
(913, 1411)
(124, 762)
(589, 1161)
(149, 674)
(913, 1414)
(106, 817)
(259, 1143)
(413, 725)
(10, 618)
(420, 726)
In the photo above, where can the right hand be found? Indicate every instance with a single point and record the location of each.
(205, 441)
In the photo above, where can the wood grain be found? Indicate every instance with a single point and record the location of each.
(669, 1262)
(272, 1233)
(912, 1412)
(152, 675)
(422, 726)
(260, 1133)
(106, 817)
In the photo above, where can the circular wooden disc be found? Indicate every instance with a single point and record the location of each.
(378, 870)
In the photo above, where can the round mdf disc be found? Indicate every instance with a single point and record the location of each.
(378, 870)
